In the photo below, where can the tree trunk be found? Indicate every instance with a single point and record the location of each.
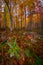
(9, 9)
(25, 17)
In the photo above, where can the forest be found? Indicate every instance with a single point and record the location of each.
(21, 32)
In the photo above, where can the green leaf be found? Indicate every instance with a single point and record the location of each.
(10, 51)
(15, 42)
(17, 55)
(4, 42)
(38, 61)
(10, 45)
(27, 53)
(17, 48)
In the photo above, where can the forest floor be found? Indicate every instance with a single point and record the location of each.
(25, 40)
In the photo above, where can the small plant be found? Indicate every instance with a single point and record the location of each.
(29, 54)
(14, 49)
(38, 61)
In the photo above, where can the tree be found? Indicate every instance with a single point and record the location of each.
(30, 5)
(9, 9)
